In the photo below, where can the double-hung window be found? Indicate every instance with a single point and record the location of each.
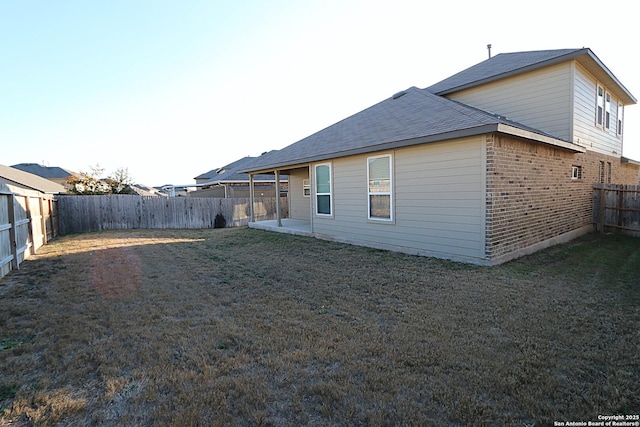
(607, 110)
(600, 106)
(619, 119)
(380, 186)
(323, 188)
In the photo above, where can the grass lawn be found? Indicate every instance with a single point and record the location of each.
(245, 327)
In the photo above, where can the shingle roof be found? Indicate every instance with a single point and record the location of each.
(416, 116)
(498, 67)
(49, 172)
(25, 179)
(231, 173)
(213, 173)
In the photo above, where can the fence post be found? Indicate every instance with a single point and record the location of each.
(601, 209)
(620, 190)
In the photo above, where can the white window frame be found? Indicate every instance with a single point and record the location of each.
(315, 188)
(378, 193)
(599, 106)
(576, 172)
(306, 188)
(601, 172)
(619, 119)
(607, 110)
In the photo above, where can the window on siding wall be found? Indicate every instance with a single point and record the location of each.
(306, 188)
(379, 172)
(323, 189)
(600, 106)
(619, 119)
(607, 111)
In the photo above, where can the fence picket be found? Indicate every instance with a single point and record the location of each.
(80, 214)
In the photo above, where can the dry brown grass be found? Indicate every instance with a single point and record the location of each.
(243, 327)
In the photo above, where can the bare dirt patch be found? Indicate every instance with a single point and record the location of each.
(243, 327)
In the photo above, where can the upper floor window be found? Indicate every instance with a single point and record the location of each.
(600, 106)
(607, 110)
(379, 173)
(323, 188)
(619, 119)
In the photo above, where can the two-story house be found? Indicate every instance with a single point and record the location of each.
(492, 163)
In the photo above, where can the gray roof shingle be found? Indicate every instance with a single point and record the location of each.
(28, 180)
(417, 116)
(231, 173)
(49, 172)
(501, 66)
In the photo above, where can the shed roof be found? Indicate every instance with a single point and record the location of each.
(414, 116)
(28, 180)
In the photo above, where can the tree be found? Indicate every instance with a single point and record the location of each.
(90, 183)
(120, 182)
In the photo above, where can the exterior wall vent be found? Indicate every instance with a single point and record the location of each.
(399, 94)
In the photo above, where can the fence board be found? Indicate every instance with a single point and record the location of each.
(617, 208)
(28, 219)
(78, 214)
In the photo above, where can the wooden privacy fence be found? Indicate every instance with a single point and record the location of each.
(617, 208)
(80, 214)
(28, 220)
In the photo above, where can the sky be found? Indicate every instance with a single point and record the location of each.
(172, 89)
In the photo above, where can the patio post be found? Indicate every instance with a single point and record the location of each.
(251, 197)
(278, 212)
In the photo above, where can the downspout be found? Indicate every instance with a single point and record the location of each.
(251, 197)
(278, 213)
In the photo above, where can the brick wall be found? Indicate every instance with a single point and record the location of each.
(531, 196)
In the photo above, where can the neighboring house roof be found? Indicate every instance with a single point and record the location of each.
(231, 173)
(414, 116)
(144, 190)
(49, 172)
(28, 180)
(511, 64)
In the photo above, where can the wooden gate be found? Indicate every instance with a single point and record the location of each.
(617, 208)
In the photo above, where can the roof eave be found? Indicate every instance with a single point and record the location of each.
(629, 161)
(478, 130)
(512, 130)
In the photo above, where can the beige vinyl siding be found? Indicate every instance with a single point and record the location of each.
(299, 206)
(438, 199)
(586, 133)
(540, 99)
